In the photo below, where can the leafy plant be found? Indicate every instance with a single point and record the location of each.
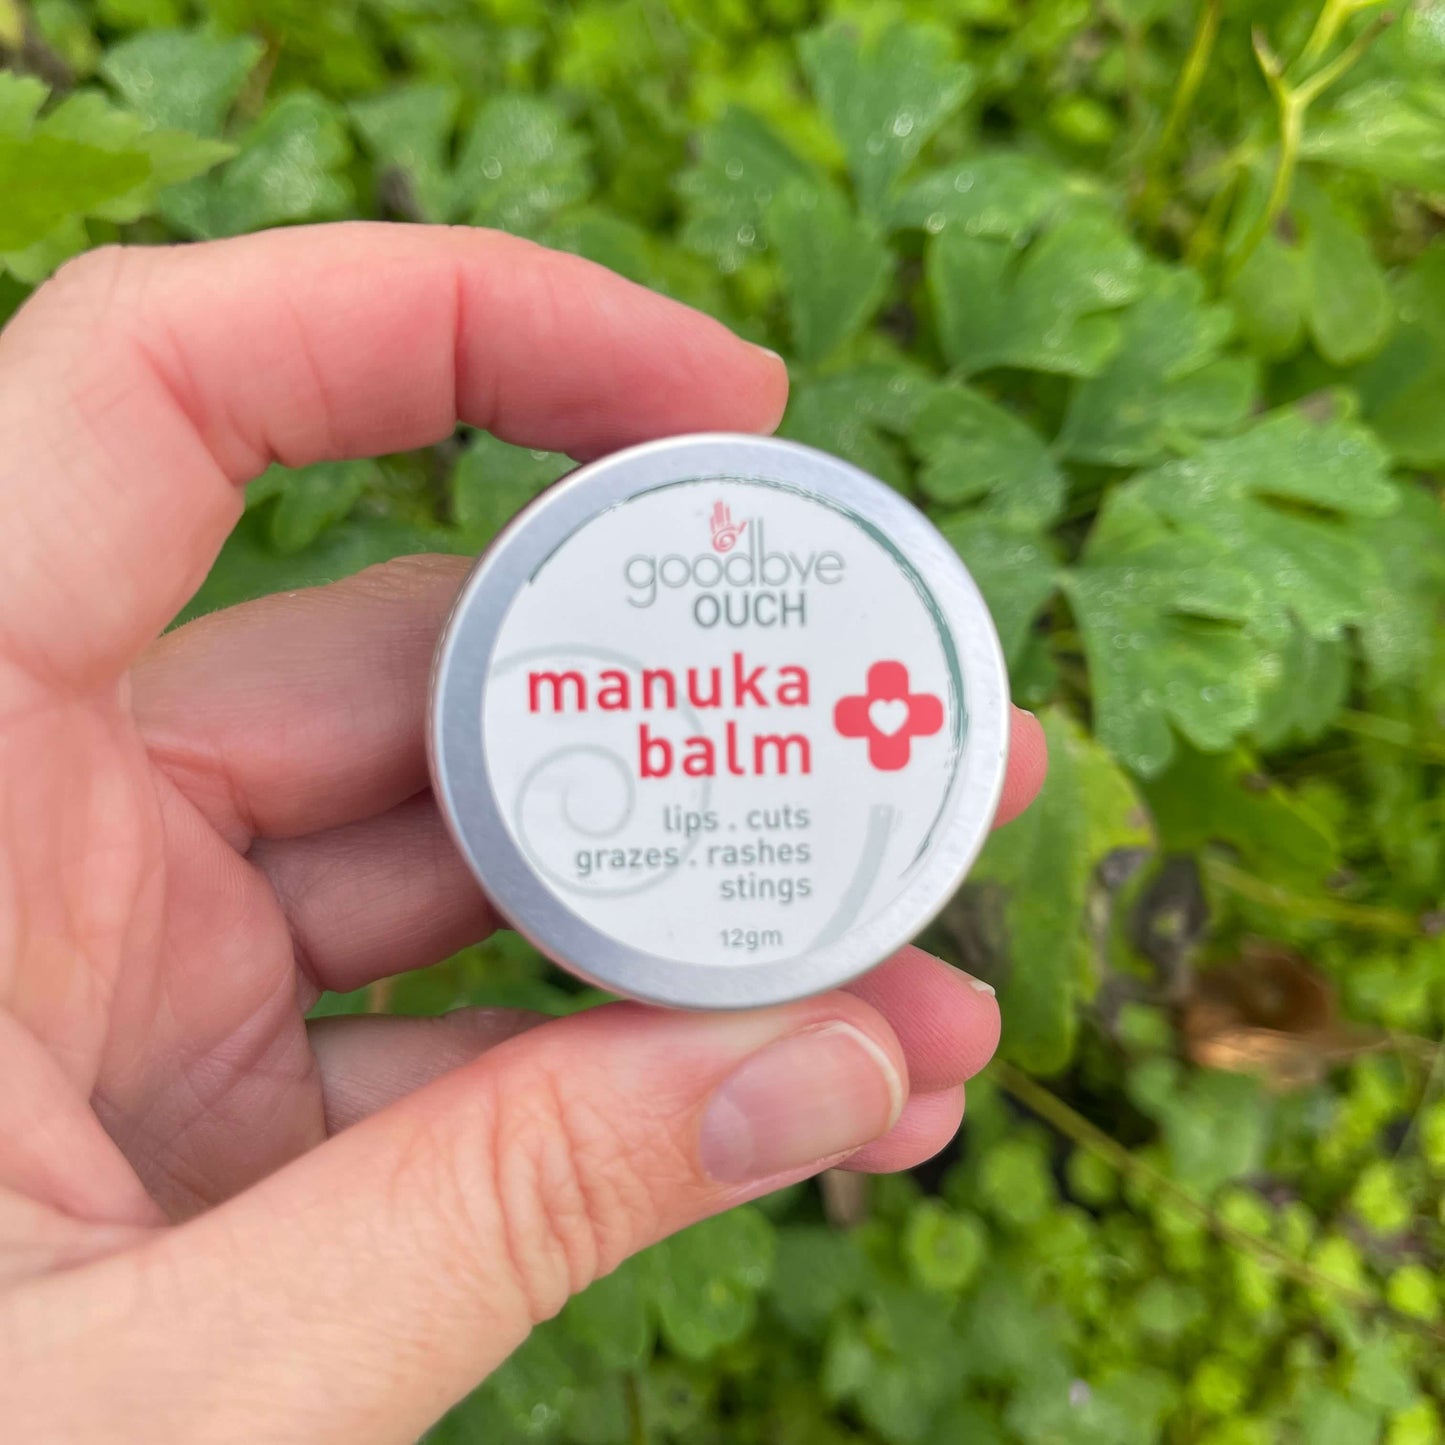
(1145, 304)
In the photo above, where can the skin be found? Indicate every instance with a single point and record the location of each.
(217, 1221)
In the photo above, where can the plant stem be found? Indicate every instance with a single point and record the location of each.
(1191, 75)
(1293, 102)
(1392, 921)
(1333, 17)
(1196, 62)
(1072, 1125)
(636, 1412)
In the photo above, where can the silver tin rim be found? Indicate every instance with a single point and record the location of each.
(463, 662)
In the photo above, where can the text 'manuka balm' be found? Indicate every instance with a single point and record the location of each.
(719, 721)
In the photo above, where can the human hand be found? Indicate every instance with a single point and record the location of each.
(217, 1221)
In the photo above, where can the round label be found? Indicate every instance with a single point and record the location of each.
(724, 721)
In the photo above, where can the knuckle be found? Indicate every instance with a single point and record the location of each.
(565, 1195)
(96, 280)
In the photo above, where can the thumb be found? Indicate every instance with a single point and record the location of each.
(364, 1288)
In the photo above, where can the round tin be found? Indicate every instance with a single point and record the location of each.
(719, 721)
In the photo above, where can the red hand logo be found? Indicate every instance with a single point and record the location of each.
(725, 532)
(888, 715)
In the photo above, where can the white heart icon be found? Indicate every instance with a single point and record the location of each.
(888, 715)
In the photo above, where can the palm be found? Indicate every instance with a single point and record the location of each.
(154, 965)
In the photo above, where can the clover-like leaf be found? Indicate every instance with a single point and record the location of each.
(1002, 194)
(742, 164)
(1250, 492)
(943, 1247)
(492, 481)
(886, 97)
(520, 163)
(611, 1317)
(1401, 388)
(1167, 385)
(291, 167)
(834, 263)
(817, 1271)
(1046, 308)
(182, 79)
(857, 414)
(408, 131)
(705, 1281)
(1160, 610)
(973, 448)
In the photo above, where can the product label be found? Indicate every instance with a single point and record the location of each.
(724, 721)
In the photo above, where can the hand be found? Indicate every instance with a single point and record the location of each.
(217, 1221)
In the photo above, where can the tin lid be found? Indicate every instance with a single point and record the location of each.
(719, 721)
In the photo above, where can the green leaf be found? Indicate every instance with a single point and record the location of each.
(1214, 1126)
(818, 1270)
(408, 131)
(886, 97)
(493, 481)
(855, 414)
(1402, 621)
(834, 264)
(1154, 606)
(85, 159)
(1007, 195)
(310, 499)
(610, 1317)
(705, 1281)
(1268, 299)
(530, 1389)
(742, 164)
(1327, 1416)
(1310, 687)
(1167, 386)
(182, 79)
(250, 566)
(290, 168)
(943, 1247)
(1224, 798)
(1015, 565)
(610, 240)
(1046, 308)
(1401, 387)
(1039, 867)
(1348, 304)
(1249, 491)
(973, 448)
(1390, 128)
(521, 163)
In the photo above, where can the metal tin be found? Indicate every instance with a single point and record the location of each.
(719, 721)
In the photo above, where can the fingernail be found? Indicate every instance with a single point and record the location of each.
(768, 351)
(800, 1100)
(979, 986)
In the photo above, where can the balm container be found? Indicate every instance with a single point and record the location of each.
(719, 721)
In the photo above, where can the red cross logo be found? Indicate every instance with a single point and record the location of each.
(888, 715)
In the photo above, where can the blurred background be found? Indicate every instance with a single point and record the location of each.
(1144, 301)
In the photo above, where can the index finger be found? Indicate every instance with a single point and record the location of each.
(141, 386)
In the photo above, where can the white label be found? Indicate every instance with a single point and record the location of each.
(724, 721)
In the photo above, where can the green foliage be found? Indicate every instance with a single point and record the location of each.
(1149, 315)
